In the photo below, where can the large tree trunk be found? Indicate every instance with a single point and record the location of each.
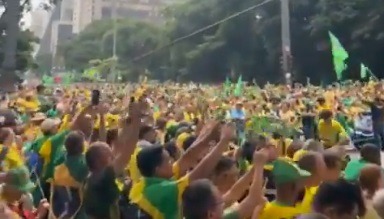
(8, 77)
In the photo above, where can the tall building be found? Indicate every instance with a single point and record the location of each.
(87, 11)
(59, 30)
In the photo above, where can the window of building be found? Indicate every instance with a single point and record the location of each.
(106, 12)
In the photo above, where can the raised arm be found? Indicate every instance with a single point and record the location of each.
(192, 155)
(206, 166)
(255, 196)
(239, 188)
(128, 138)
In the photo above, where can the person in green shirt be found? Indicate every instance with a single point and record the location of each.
(369, 153)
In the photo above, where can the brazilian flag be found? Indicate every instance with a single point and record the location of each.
(158, 197)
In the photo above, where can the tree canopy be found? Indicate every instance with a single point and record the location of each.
(249, 44)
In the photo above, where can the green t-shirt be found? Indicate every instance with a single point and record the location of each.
(230, 214)
(101, 195)
(353, 168)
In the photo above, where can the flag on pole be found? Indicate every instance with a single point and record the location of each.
(364, 71)
(227, 87)
(239, 87)
(339, 56)
(48, 80)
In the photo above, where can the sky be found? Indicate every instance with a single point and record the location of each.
(27, 16)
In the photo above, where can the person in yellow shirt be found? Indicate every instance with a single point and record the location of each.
(330, 131)
(322, 105)
(289, 180)
(312, 162)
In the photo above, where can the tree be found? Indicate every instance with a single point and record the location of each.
(11, 35)
(248, 44)
(95, 43)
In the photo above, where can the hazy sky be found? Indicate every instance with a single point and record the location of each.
(27, 17)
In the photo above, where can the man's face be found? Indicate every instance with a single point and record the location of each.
(165, 168)
(11, 194)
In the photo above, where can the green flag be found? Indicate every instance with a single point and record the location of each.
(339, 56)
(67, 79)
(227, 87)
(239, 87)
(363, 71)
(48, 80)
(160, 198)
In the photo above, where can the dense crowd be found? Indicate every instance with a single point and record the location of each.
(169, 151)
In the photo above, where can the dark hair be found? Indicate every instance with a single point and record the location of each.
(144, 130)
(325, 114)
(321, 100)
(112, 135)
(188, 142)
(331, 159)
(342, 195)
(93, 153)
(293, 147)
(197, 199)
(148, 159)
(371, 153)
(172, 149)
(225, 163)
(74, 143)
(247, 151)
(161, 123)
(308, 162)
(40, 88)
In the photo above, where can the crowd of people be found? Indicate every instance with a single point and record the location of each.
(170, 151)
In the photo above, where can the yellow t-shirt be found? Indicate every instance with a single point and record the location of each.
(13, 158)
(306, 204)
(273, 210)
(134, 172)
(329, 97)
(331, 133)
(282, 145)
(298, 154)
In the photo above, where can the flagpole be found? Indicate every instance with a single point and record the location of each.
(286, 41)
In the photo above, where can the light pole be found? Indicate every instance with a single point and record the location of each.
(114, 56)
(286, 41)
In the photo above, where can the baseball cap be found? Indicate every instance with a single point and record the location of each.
(49, 124)
(19, 178)
(285, 171)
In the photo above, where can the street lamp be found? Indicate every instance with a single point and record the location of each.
(286, 40)
(114, 56)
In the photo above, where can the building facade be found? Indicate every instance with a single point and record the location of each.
(87, 11)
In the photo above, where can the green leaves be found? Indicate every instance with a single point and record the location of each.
(249, 44)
